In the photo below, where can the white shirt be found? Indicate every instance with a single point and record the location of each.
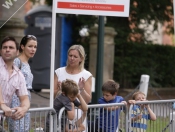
(63, 75)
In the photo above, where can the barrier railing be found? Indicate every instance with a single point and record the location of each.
(164, 112)
(38, 118)
(92, 123)
(114, 117)
(101, 119)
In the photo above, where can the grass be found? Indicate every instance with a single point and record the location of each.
(160, 125)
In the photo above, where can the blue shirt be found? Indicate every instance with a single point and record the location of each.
(109, 119)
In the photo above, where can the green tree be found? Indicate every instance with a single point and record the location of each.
(159, 11)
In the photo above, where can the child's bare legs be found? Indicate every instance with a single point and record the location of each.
(77, 125)
(80, 128)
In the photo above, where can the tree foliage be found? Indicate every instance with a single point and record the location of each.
(128, 28)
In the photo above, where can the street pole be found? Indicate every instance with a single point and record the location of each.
(99, 66)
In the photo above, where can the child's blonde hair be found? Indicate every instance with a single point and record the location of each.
(136, 93)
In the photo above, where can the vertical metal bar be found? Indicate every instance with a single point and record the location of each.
(35, 119)
(52, 53)
(99, 66)
(52, 60)
(45, 118)
(90, 119)
(152, 124)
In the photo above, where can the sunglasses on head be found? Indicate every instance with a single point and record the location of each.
(30, 36)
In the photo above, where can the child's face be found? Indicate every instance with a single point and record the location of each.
(140, 97)
(108, 96)
(72, 97)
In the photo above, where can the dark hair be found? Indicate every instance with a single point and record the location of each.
(10, 38)
(110, 86)
(69, 87)
(25, 39)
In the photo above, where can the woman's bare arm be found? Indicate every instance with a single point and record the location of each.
(87, 92)
(56, 85)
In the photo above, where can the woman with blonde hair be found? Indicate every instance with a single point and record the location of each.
(74, 70)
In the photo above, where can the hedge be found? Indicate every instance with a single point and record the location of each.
(134, 59)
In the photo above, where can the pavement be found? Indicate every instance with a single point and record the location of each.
(40, 99)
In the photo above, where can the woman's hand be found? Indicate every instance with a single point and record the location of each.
(58, 92)
(81, 83)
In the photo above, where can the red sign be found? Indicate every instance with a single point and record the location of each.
(93, 7)
(87, 6)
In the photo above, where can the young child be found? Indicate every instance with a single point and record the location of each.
(69, 99)
(107, 121)
(140, 113)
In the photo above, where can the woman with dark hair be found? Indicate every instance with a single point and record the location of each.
(27, 49)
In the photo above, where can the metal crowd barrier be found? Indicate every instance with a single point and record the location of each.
(163, 109)
(90, 122)
(165, 118)
(37, 120)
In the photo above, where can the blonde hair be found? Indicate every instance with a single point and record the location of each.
(81, 52)
(136, 93)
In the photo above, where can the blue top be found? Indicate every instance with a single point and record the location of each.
(109, 119)
(142, 123)
(26, 71)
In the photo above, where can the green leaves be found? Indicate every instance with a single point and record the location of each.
(132, 60)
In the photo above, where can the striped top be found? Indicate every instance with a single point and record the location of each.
(15, 83)
(140, 125)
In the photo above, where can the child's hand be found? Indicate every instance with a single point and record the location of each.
(146, 105)
(131, 101)
(124, 102)
(59, 85)
(138, 117)
(79, 95)
(81, 83)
